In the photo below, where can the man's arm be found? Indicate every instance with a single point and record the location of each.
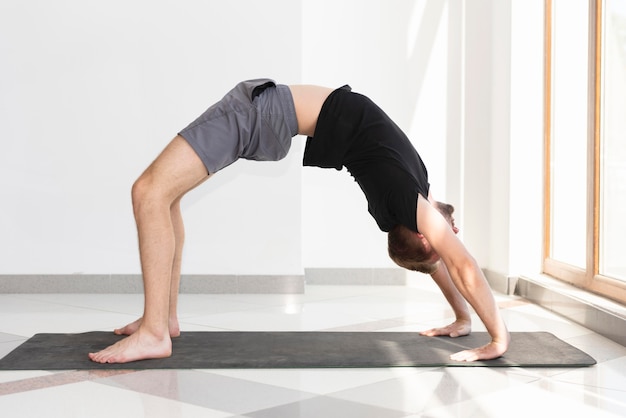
(463, 323)
(467, 278)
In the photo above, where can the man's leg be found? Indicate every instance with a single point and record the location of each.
(156, 200)
(179, 234)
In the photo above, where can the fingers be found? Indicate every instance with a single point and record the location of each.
(438, 332)
(467, 355)
(431, 332)
(456, 329)
(488, 352)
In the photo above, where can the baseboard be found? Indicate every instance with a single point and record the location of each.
(132, 283)
(599, 314)
(203, 283)
(500, 282)
(356, 276)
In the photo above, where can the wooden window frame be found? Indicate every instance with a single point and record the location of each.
(588, 278)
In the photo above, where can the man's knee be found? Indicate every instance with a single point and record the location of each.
(147, 192)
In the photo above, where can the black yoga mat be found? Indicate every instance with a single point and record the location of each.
(253, 350)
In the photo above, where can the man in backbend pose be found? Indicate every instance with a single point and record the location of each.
(257, 120)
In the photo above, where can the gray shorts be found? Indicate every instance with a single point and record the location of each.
(255, 121)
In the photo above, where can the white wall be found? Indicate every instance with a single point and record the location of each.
(91, 91)
(396, 53)
(464, 80)
(503, 135)
(526, 139)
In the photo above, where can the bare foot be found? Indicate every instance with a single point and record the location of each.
(134, 326)
(140, 345)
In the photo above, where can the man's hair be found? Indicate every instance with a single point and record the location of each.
(410, 252)
(446, 210)
(407, 250)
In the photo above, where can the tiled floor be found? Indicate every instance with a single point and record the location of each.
(598, 391)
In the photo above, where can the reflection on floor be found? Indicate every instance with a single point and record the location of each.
(598, 391)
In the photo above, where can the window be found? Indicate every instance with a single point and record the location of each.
(585, 147)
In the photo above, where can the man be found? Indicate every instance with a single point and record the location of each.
(256, 120)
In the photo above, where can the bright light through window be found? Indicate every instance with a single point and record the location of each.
(613, 134)
(570, 80)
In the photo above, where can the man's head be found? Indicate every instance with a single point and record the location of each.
(411, 250)
(447, 211)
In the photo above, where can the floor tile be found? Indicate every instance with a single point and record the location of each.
(319, 381)
(328, 408)
(64, 319)
(20, 375)
(444, 386)
(537, 399)
(7, 347)
(207, 390)
(308, 318)
(597, 391)
(600, 348)
(5, 338)
(607, 375)
(88, 399)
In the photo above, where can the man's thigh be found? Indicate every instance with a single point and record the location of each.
(176, 170)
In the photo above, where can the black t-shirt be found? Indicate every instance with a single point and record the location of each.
(353, 132)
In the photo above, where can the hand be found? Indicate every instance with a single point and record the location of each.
(458, 328)
(490, 351)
